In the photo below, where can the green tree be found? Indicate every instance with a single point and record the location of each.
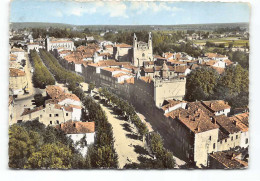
(21, 145)
(201, 83)
(51, 156)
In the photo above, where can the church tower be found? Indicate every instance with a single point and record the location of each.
(150, 41)
(164, 71)
(142, 51)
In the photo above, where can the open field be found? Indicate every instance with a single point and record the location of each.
(235, 40)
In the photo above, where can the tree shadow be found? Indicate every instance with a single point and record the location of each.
(140, 150)
(143, 159)
(127, 127)
(132, 136)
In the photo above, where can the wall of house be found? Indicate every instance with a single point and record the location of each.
(49, 116)
(169, 89)
(205, 142)
(76, 114)
(230, 142)
(180, 105)
(78, 68)
(90, 138)
(17, 84)
(32, 47)
(225, 112)
(123, 54)
(244, 139)
(70, 101)
(20, 56)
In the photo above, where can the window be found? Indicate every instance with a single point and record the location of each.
(214, 145)
(246, 140)
(56, 115)
(236, 136)
(220, 142)
(49, 115)
(50, 122)
(57, 121)
(143, 55)
(40, 116)
(225, 140)
(67, 114)
(210, 138)
(231, 138)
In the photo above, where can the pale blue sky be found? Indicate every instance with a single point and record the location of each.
(127, 13)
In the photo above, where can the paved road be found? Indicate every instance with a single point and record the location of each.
(25, 101)
(125, 139)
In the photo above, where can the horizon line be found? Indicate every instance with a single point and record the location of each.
(131, 24)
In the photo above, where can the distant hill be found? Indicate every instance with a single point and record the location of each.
(16, 25)
(208, 27)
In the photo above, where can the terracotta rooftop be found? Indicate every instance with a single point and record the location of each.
(119, 75)
(147, 79)
(13, 72)
(170, 103)
(168, 55)
(195, 117)
(76, 127)
(218, 69)
(17, 50)
(216, 105)
(229, 159)
(57, 93)
(61, 41)
(29, 111)
(180, 69)
(241, 121)
(226, 124)
(123, 45)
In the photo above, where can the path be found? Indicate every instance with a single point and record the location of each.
(125, 139)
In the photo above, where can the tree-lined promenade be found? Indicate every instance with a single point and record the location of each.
(41, 75)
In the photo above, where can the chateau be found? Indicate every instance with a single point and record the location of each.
(51, 44)
(142, 51)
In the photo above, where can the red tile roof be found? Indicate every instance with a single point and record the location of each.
(76, 127)
(13, 72)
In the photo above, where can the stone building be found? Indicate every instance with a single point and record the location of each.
(81, 133)
(51, 44)
(59, 107)
(17, 81)
(142, 51)
(197, 130)
(20, 53)
(123, 52)
(228, 160)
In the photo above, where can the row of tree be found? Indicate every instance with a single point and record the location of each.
(61, 74)
(163, 159)
(125, 110)
(41, 75)
(34, 146)
(102, 154)
(206, 84)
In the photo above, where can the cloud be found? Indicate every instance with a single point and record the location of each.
(153, 7)
(116, 9)
(58, 13)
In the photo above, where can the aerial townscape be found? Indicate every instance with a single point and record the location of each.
(128, 96)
